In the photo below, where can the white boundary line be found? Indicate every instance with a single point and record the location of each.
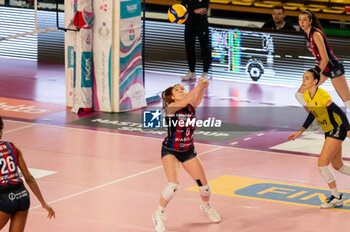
(29, 33)
(115, 181)
(17, 129)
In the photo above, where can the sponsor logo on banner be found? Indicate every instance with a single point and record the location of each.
(104, 74)
(87, 38)
(131, 32)
(27, 109)
(71, 57)
(86, 69)
(103, 32)
(104, 77)
(130, 9)
(104, 6)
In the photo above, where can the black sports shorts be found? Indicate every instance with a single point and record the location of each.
(337, 133)
(335, 71)
(182, 156)
(14, 198)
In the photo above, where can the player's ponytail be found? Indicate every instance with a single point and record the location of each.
(1, 123)
(315, 21)
(166, 96)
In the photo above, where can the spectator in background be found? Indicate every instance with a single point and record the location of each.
(277, 22)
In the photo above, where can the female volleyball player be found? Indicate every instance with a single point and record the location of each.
(14, 197)
(336, 127)
(178, 148)
(328, 64)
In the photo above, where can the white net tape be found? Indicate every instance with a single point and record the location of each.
(35, 31)
(29, 33)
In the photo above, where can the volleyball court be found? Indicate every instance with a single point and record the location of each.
(101, 179)
(104, 179)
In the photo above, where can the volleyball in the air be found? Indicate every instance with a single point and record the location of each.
(177, 13)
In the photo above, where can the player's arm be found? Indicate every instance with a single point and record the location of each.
(30, 180)
(310, 118)
(198, 99)
(336, 109)
(322, 50)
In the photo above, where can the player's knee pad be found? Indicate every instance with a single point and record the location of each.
(205, 190)
(169, 191)
(345, 169)
(300, 98)
(327, 174)
(347, 104)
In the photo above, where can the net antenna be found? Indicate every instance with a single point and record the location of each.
(38, 31)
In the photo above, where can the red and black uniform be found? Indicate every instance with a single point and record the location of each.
(181, 127)
(13, 195)
(334, 67)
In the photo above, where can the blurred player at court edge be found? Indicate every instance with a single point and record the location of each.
(197, 25)
(336, 127)
(328, 64)
(178, 148)
(14, 197)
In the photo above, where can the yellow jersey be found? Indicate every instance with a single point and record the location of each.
(317, 106)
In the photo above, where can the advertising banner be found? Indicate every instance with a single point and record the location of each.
(102, 55)
(84, 70)
(131, 89)
(103, 58)
(70, 8)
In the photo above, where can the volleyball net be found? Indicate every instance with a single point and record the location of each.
(30, 17)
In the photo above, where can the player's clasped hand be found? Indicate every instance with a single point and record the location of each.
(202, 82)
